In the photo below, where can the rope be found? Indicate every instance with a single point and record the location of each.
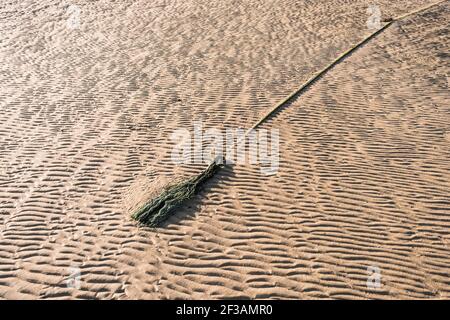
(157, 210)
(339, 59)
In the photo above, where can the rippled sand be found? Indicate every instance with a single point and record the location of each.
(86, 115)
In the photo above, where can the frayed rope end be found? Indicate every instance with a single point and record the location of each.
(157, 210)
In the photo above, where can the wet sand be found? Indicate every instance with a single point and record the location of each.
(86, 115)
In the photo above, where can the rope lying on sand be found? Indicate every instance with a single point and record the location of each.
(160, 208)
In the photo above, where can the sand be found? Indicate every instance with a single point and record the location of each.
(86, 115)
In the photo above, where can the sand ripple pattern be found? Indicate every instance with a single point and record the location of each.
(85, 120)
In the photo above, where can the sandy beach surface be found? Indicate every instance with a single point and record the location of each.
(92, 91)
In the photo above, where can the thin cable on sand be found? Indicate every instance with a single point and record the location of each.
(157, 210)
